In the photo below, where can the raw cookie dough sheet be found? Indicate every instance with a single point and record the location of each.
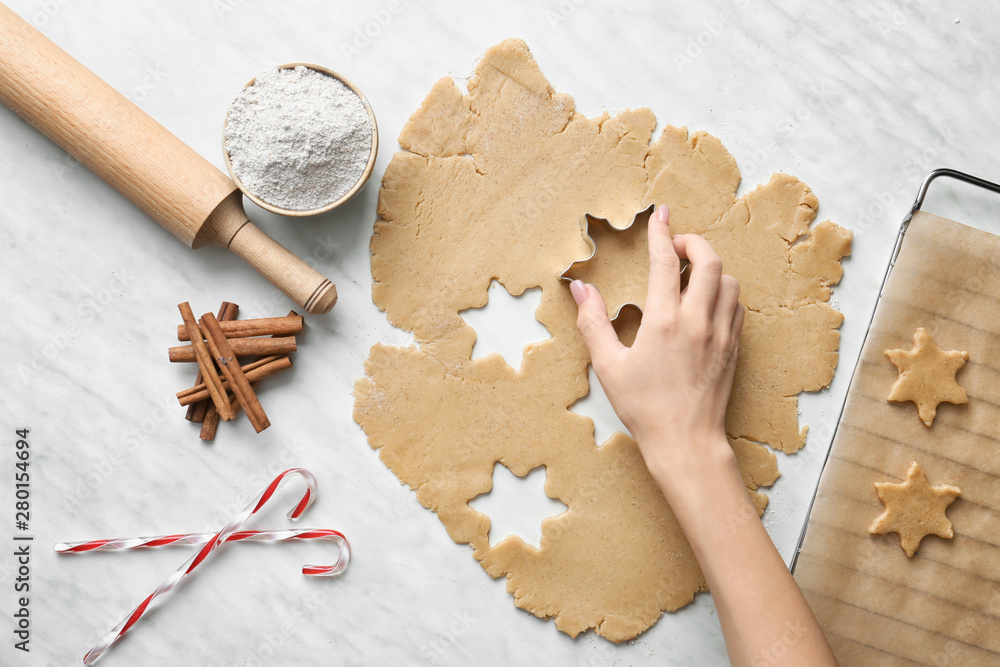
(492, 184)
(942, 606)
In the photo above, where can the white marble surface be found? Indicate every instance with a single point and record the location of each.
(858, 99)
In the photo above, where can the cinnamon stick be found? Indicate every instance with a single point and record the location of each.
(242, 347)
(211, 424)
(226, 358)
(209, 427)
(254, 371)
(200, 352)
(198, 412)
(211, 421)
(264, 326)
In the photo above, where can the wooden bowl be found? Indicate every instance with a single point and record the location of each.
(350, 193)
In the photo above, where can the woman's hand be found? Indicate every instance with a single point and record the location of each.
(670, 388)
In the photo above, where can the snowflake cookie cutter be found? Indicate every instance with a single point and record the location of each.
(593, 229)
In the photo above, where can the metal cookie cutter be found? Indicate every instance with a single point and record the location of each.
(604, 228)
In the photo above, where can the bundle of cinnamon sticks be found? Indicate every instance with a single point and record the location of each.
(224, 386)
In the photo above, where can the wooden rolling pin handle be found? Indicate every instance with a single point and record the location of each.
(302, 283)
(229, 227)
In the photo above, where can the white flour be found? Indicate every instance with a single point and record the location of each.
(298, 139)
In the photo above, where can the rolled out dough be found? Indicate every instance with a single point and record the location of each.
(494, 184)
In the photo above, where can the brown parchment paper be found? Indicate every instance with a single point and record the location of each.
(942, 607)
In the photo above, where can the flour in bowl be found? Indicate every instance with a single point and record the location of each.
(297, 138)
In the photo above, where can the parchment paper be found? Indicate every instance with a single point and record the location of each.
(942, 607)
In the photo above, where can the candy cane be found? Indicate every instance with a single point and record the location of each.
(121, 543)
(213, 543)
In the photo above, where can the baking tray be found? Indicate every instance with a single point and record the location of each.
(943, 606)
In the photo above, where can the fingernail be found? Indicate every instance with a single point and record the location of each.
(579, 291)
(663, 213)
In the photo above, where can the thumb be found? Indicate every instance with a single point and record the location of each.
(593, 323)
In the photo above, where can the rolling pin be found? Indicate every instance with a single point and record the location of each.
(100, 127)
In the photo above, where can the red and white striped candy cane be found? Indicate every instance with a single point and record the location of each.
(121, 543)
(217, 539)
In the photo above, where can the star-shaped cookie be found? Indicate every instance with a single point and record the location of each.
(914, 509)
(927, 376)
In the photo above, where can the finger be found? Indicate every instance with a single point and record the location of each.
(725, 305)
(737, 327)
(593, 323)
(706, 272)
(664, 291)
